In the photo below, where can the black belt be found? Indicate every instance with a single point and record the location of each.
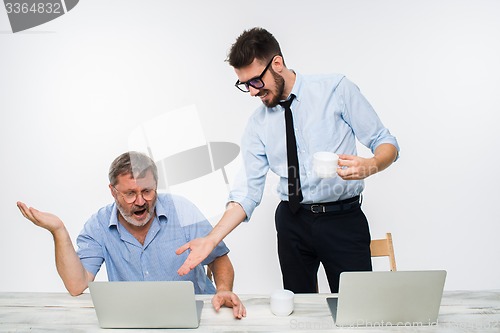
(335, 206)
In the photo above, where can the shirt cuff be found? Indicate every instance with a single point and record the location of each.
(248, 205)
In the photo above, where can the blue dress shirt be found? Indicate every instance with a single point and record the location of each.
(329, 114)
(177, 221)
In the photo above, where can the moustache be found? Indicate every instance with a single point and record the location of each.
(137, 209)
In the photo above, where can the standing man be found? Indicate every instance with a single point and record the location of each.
(318, 220)
(137, 236)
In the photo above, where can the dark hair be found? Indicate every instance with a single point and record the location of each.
(254, 43)
(133, 163)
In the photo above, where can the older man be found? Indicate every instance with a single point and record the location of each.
(136, 236)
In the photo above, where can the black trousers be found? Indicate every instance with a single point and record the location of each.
(339, 240)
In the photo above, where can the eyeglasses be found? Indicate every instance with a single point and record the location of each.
(131, 196)
(256, 82)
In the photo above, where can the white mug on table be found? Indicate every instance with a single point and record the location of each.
(282, 302)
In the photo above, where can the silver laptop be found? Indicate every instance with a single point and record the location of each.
(403, 298)
(146, 304)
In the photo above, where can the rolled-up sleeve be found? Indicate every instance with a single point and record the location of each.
(363, 119)
(89, 250)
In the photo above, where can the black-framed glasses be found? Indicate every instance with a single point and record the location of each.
(256, 82)
(131, 196)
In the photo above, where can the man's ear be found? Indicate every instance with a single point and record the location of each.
(111, 188)
(278, 65)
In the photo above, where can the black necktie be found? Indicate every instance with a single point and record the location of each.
(294, 191)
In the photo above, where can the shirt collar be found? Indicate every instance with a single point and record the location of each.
(161, 210)
(113, 220)
(296, 89)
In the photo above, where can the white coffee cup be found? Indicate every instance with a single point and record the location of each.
(282, 302)
(325, 164)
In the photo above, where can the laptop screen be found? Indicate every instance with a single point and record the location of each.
(146, 304)
(405, 298)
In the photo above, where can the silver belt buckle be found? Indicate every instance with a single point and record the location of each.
(321, 209)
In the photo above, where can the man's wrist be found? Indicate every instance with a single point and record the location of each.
(213, 239)
(60, 233)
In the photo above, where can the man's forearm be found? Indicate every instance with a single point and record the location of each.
(232, 217)
(223, 273)
(69, 266)
(384, 156)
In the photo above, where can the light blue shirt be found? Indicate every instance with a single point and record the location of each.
(177, 221)
(329, 114)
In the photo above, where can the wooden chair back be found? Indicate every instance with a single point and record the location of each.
(384, 248)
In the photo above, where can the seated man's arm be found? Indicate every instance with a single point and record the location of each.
(224, 277)
(69, 266)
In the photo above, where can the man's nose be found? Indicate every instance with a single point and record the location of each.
(253, 91)
(139, 200)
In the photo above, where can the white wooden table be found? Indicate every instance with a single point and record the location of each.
(468, 311)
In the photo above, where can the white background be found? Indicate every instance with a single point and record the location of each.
(72, 91)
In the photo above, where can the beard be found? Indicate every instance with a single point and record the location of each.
(129, 217)
(280, 88)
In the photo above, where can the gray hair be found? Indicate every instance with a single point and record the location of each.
(134, 163)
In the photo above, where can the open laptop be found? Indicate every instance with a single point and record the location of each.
(146, 304)
(404, 298)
